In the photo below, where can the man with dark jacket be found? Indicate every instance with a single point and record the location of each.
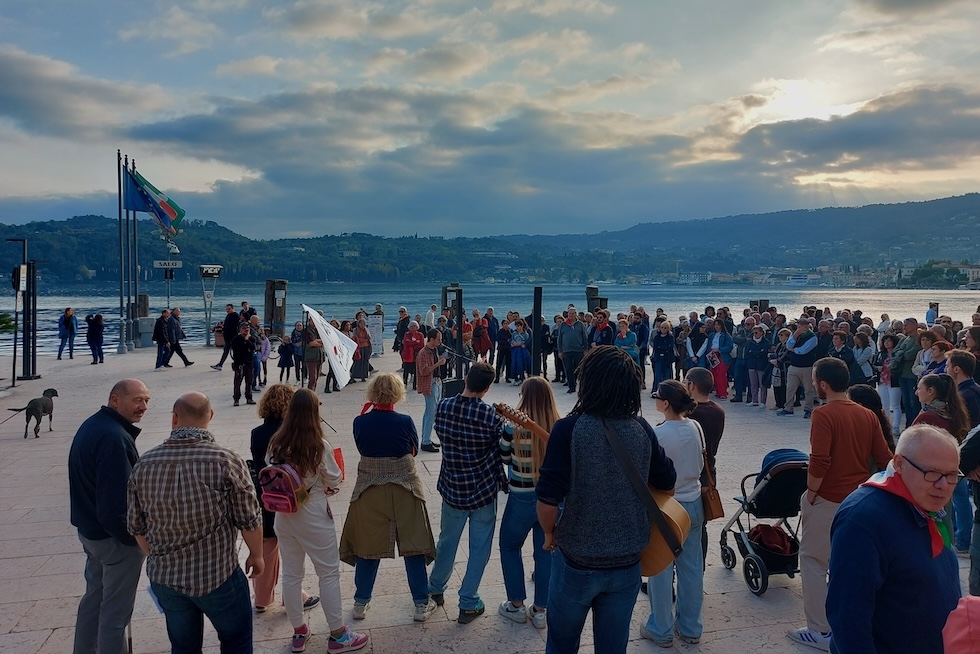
(162, 339)
(175, 332)
(100, 461)
(242, 361)
(401, 328)
(229, 329)
(493, 326)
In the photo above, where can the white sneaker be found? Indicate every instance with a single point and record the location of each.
(359, 610)
(423, 611)
(511, 612)
(810, 638)
(538, 618)
(754, 404)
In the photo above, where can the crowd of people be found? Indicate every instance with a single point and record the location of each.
(887, 543)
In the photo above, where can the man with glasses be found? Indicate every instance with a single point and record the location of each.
(844, 437)
(893, 577)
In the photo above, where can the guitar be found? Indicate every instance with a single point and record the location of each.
(539, 436)
(657, 555)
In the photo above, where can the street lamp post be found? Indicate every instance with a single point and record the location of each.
(20, 280)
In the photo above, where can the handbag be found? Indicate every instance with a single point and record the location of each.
(669, 521)
(710, 498)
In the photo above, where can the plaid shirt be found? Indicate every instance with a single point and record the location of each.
(425, 361)
(189, 497)
(472, 472)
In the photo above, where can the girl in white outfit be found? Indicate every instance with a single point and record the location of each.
(311, 530)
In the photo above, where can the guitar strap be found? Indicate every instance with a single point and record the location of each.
(640, 486)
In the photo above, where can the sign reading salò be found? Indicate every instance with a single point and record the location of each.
(168, 264)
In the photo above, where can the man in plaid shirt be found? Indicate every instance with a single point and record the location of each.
(471, 476)
(188, 499)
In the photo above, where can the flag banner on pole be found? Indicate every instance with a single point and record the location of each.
(140, 195)
(338, 348)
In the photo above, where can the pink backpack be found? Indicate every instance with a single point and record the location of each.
(282, 488)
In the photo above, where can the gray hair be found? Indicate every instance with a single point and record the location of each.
(911, 439)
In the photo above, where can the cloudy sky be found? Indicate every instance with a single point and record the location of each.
(453, 117)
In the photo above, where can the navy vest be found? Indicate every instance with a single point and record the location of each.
(804, 360)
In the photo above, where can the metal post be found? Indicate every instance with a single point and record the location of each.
(536, 333)
(22, 272)
(121, 348)
(136, 260)
(130, 326)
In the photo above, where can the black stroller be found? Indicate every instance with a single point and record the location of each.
(777, 492)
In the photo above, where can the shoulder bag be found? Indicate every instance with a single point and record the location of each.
(669, 522)
(710, 497)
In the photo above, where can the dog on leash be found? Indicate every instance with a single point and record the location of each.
(38, 408)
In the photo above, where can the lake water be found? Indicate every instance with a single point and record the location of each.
(341, 301)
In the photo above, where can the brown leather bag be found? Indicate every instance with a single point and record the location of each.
(710, 498)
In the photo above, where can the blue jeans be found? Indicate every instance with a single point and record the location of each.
(228, 607)
(661, 372)
(163, 353)
(610, 594)
(690, 586)
(962, 515)
(256, 370)
(521, 517)
(70, 342)
(366, 571)
(429, 417)
(482, 523)
(740, 377)
(910, 403)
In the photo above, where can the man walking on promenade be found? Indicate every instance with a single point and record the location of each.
(175, 332)
(801, 348)
(844, 437)
(573, 341)
(594, 568)
(242, 353)
(229, 330)
(430, 370)
(99, 465)
(160, 336)
(188, 498)
(893, 578)
(471, 476)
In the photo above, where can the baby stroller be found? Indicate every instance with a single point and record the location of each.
(777, 492)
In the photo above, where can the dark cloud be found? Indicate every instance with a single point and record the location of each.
(45, 96)
(399, 161)
(907, 6)
(924, 127)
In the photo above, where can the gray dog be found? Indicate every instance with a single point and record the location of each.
(37, 408)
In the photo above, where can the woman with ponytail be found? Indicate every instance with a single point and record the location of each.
(682, 440)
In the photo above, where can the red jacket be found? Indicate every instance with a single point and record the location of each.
(412, 342)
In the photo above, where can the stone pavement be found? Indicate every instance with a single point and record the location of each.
(41, 560)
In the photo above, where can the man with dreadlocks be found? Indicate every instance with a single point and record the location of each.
(597, 563)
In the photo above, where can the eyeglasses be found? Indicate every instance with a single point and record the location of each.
(932, 476)
(656, 396)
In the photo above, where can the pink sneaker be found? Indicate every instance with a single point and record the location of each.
(350, 641)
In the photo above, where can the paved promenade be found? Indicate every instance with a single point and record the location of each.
(41, 560)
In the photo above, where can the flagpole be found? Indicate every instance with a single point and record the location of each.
(136, 266)
(121, 348)
(130, 329)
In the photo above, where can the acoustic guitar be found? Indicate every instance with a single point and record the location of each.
(539, 435)
(657, 555)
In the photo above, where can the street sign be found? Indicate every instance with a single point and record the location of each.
(213, 271)
(209, 296)
(168, 264)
